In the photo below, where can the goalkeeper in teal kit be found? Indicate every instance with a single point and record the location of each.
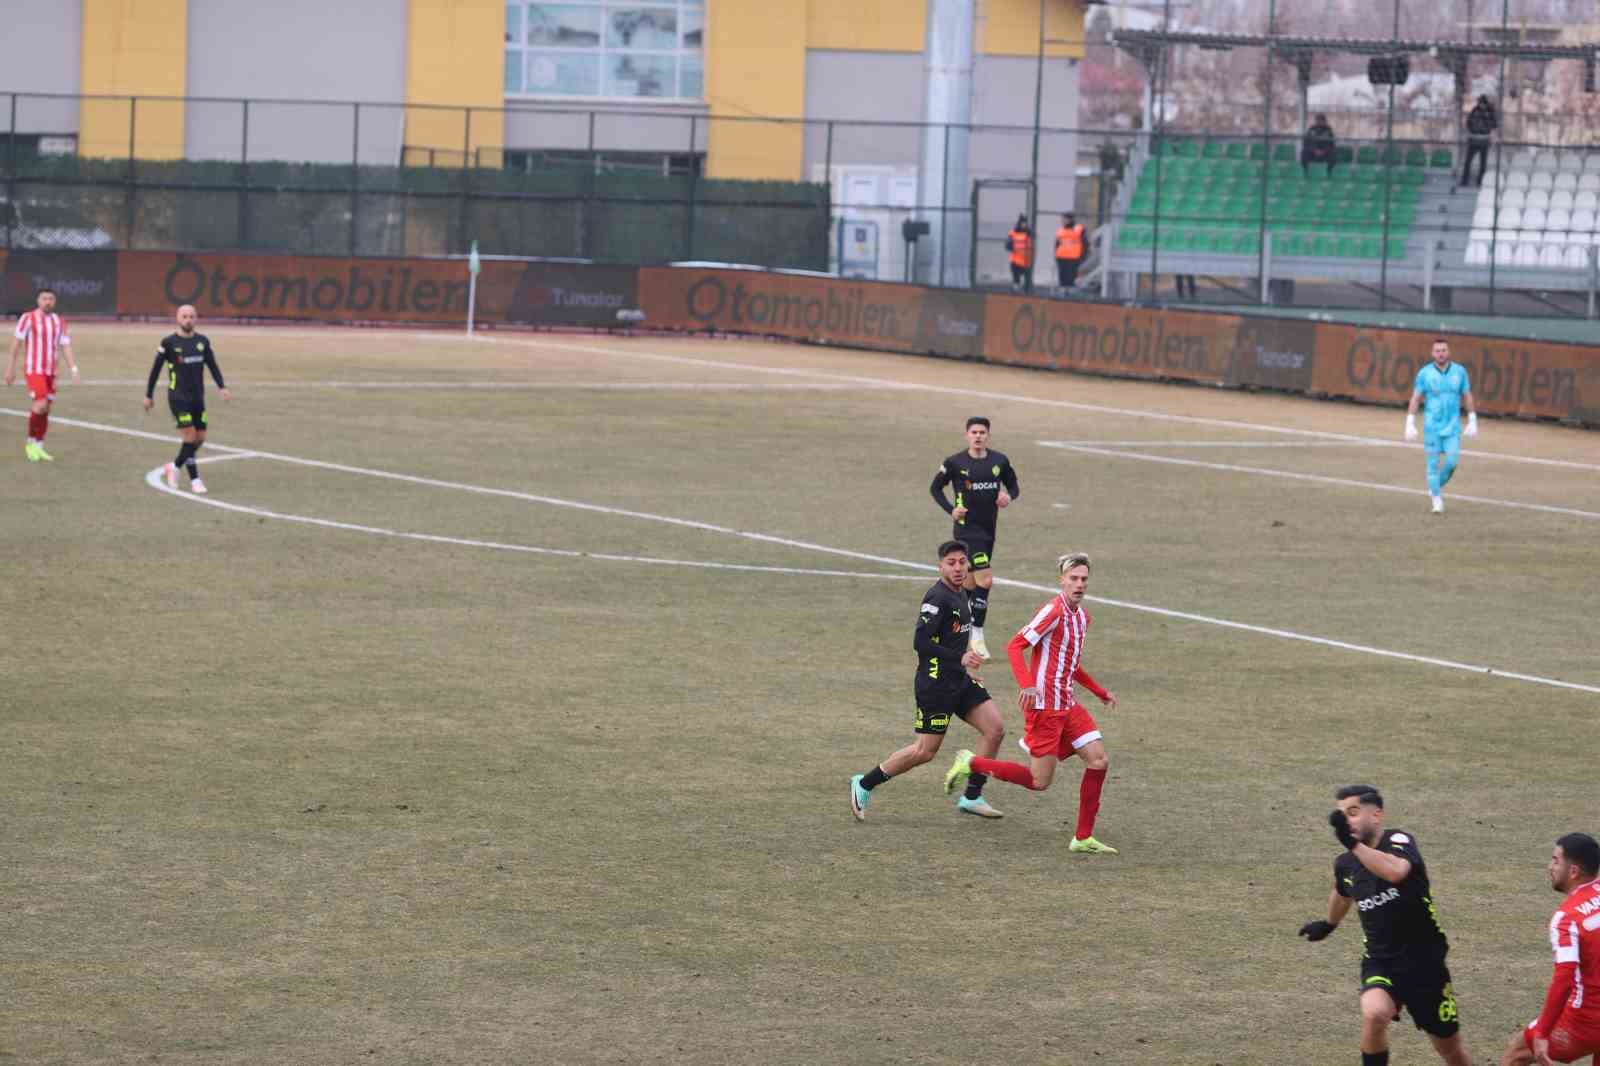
(1441, 388)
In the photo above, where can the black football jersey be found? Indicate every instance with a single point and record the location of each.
(976, 484)
(944, 625)
(1397, 921)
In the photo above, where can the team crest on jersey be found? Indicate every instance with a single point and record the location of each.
(1399, 838)
(995, 470)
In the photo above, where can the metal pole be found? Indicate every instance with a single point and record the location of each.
(132, 206)
(688, 214)
(1038, 109)
(1388, 176)
(11, 171)
(355, 172)
(466, 174)
(243, 228)
(1499, 149)
(944, 213)
(1266, 143)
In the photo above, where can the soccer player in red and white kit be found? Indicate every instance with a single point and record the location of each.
(45, 334)
(1569, 1026)
(1056, 725)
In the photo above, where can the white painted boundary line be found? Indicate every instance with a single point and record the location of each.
(922, 568)
(1261, 471)
(541, 386)
(1210, 444)
(153, 479)
(1124, 412)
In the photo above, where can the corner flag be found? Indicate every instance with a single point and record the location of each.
(473, 266)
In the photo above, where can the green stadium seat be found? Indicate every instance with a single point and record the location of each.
(1236, 150)
(1441, 159)
(1367, 247)
(1185, 148)
(1212, 150)
(1402, 217)
(1290, 243)
(1417, 157)
(1344, 154)
(1325, 244)
(1134, 237)
(1258, 151)
(1284, 153)
(1246, 242)
(1413, 175)
(1397, 247)
(1367, 155)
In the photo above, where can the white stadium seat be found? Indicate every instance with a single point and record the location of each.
(1565, 180)
(1591, 163)
(1527, 254)
(1577, 256)
(1517, 179)
(1541, 179)
(1591, 182)
(1558, 219)
(1546, 160)
(1533, 218)
(1504, 253)
(1561, 198)
(1510, 217)
(1482, 218)
(1513, 198)
(1523, 160)
(1537, 198)
(1582, 220)
(1586, 200)
(1553, 254)
(1571, 163)
(1478, 253)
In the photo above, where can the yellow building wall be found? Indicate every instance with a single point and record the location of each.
(133, 48)
(755, 67)
(1011, 28)
(455, 55)
(867, 25)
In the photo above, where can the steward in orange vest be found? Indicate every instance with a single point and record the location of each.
(1070, 243)
(1019, 242)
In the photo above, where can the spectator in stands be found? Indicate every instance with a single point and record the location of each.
(1071, 242)
(1019, 242)
(1318, 146)
(1185, 286)
(1481, 121)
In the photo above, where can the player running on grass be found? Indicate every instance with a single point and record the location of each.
(984, 484)
(1056, 725)
(1440, 388)
(45, 334)
(1402, 965)
(186, 355)
(944, 689)
(1569, 1026)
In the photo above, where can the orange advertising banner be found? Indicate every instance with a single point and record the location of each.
(311, 287)
(838, 310)
(1509, 377)
(1102, 339)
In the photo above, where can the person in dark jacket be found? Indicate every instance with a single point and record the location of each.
(1318, 146)
(1481, 121)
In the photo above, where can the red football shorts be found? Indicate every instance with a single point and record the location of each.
(1053, 731)
(1573, 1037)
(41, 386)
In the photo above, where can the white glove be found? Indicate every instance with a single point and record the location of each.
(1411, 427)
(1472, 423)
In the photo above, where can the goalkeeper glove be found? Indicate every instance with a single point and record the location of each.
(1341, 829)
(1411, 427)
(1472, 423)
(1317, 930)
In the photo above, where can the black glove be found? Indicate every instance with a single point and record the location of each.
(1341, 829)
(1317, 930)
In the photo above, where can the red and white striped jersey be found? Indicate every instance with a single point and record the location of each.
(45, 334)
(1575, 938)
(1056, 636)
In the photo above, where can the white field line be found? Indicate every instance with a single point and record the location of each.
(1212, 444)
(947, 390)
(922, 568)
(153, 479)
(1261, 471)
(498, 386)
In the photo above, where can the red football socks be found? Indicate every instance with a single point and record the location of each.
(1088, 802)
(44, 424)
(33, 426)
(1013, 772)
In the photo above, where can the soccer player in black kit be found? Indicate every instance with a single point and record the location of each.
(984, 482)
(944, 689)
(1382, 874)
(186, 355)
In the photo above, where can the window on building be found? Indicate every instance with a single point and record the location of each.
(627, 49)
(668, 164)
